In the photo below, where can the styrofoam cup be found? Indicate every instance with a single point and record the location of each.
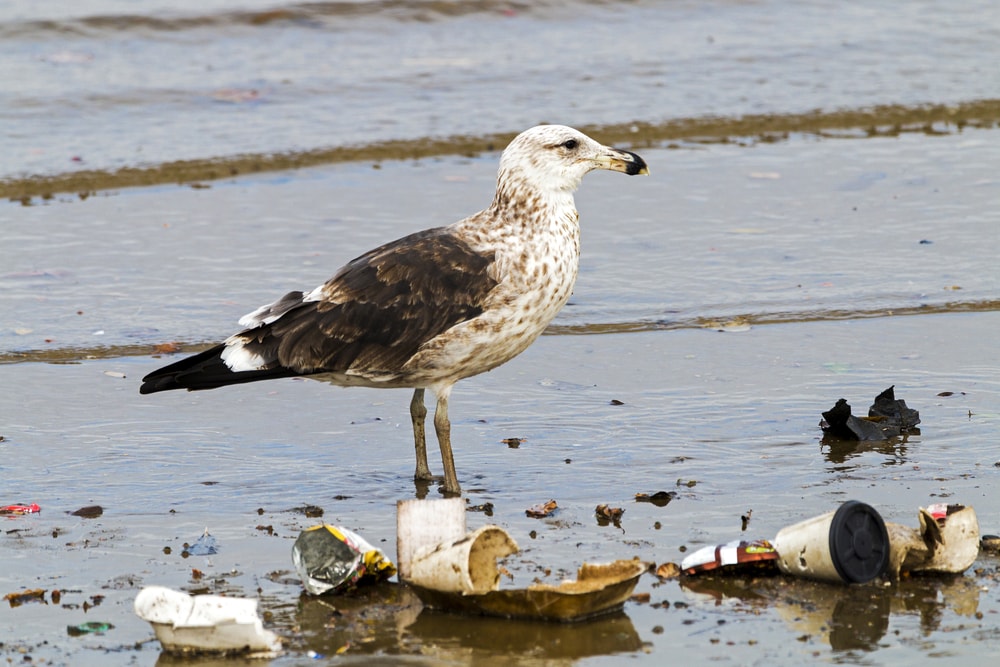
(848, 545)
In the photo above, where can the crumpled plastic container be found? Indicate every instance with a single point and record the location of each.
(332, 558)
(192, 624)
(947, 541)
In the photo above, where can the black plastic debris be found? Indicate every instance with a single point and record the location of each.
(888, 417)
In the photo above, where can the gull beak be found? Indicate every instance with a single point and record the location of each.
(616, 159)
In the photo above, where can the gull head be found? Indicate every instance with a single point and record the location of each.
(555, 158)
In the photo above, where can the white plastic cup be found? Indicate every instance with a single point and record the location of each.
(849, 545)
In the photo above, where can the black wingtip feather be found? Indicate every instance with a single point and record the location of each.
(205, 370)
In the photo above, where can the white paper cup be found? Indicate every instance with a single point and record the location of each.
(426, 523)
(849, 545)
(467, 565)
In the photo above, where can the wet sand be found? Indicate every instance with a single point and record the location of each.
(815, 243)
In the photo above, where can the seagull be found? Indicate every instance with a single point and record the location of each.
(434, 307)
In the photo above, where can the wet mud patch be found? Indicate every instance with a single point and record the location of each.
(884, 120)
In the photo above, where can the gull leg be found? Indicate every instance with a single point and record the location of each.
(443, 428)
(418, 414)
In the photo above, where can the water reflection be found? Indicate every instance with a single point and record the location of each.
(838, 451)
(457, 636)
(389, 619)
(847, 618)
(169, 660)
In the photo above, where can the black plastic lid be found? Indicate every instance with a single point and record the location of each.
(859, 543)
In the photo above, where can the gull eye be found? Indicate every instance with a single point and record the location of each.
(570, 144)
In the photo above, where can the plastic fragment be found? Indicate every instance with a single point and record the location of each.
(888, 417)
(542, 510)
(187, 624)
(203, 546)
(947, 541)
(737, 555)
(89, 628)
(334, 559)
(456, 571)
(19, 509)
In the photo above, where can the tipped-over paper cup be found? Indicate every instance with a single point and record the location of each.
(467, 565)
(848, 545)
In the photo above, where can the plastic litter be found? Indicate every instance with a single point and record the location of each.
(849, 545)
(90, 628)
(738, 554)
(853, 544)
(205, 545)
(467, 565)
(599, 588)
(187, 624)
(887, 417)
(331, 558)
(424, 524)
(542, 510)
(19, 509)
(946, 542)
(456, 571)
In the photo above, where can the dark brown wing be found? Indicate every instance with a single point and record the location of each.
(373, 316)
(381, 307)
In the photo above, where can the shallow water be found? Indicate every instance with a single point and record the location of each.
(217, 79)
(799, 230)
(841, 252)
(815, 244)
(735, 413)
